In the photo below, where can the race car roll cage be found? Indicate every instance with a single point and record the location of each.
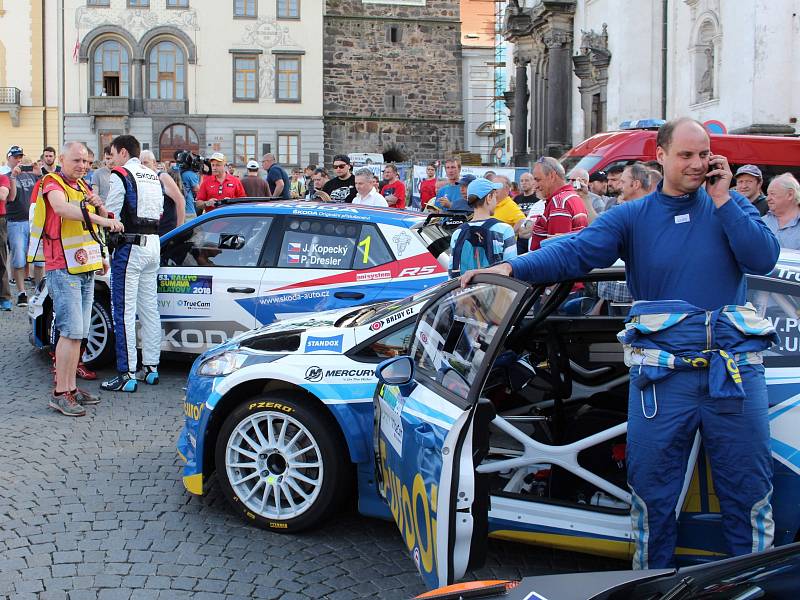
(560, 365)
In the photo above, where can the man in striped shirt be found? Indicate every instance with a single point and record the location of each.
(564, 211)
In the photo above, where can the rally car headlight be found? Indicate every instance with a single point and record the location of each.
(222, 364)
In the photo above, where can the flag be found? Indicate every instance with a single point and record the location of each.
(295, 247)
(294, 259)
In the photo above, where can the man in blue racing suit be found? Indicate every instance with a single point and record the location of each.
(693, 349)
(135, 197)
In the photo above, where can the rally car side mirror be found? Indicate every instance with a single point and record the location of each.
(395, 371)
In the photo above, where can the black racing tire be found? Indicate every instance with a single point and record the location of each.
(320, 490)
(100, 350)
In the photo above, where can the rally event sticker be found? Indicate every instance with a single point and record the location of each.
(173, 283)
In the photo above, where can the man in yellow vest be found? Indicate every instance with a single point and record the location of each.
(72, 254)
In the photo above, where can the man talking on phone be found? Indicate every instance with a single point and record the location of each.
(692, 345)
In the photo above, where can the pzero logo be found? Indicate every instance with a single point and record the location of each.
(313, 374)
(81, 256)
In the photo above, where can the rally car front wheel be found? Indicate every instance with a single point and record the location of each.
(279, 462)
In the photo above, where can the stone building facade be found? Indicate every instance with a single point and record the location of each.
(585, 66)
(541, 115)
(393, 81)
(242, 78)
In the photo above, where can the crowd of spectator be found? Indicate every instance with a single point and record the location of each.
(543, 203)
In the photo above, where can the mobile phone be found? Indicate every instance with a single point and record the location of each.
(712, 180)
(26, 168)
(576, 184)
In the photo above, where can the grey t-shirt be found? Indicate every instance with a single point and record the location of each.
(101, 182)
(18, 209)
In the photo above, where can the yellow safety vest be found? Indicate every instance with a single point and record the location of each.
(81, 251)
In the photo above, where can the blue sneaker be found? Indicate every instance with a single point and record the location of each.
(123, 382)
(148, 374)
(5, 304)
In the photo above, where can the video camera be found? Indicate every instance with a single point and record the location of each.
(187, 161)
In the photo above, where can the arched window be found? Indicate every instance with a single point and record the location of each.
(177, 137)
(705, 54)
(110, 70)
(167, 72)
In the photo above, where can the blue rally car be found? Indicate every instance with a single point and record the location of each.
(502, 411)
(249, 263)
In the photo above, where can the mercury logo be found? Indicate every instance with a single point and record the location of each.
(313, 374)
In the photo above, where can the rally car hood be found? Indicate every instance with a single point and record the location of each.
(325, 319)
(307, 335)
(330, 331)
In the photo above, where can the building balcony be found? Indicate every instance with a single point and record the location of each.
(166, 107)
(10, 103)
(109, 106)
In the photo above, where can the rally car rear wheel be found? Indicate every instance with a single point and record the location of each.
(99, 351)
(100, 343)
(279, 464)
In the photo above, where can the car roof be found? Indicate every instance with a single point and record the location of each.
(368, 214)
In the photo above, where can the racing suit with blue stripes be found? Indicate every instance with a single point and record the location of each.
(135, 196)
(685, 249)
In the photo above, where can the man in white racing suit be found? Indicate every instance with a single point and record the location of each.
(136, 199)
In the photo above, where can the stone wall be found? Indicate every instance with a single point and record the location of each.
(392, 79)
(415, 140)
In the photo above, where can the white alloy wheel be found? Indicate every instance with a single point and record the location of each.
(274, 465)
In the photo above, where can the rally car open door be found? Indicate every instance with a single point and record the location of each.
(432, 427)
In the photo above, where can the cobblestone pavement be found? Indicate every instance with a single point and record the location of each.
(94, 507)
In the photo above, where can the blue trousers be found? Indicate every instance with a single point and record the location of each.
(662, 422)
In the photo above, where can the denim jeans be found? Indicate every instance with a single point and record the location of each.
(72, 302)
(18, 233)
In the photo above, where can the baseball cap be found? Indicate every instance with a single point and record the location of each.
(598, 176)
(481, 187)
(252, 166)
(467, 179)
(749, 170)
(217, 156)
(15, 151)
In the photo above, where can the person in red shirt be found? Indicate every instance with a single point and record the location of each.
(427, 187)
(5, 290)
(70, 281)
(393, 190)
(218, 185)
(564, 211)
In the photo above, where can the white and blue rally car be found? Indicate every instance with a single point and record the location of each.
(502, 410)
(251, 262)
